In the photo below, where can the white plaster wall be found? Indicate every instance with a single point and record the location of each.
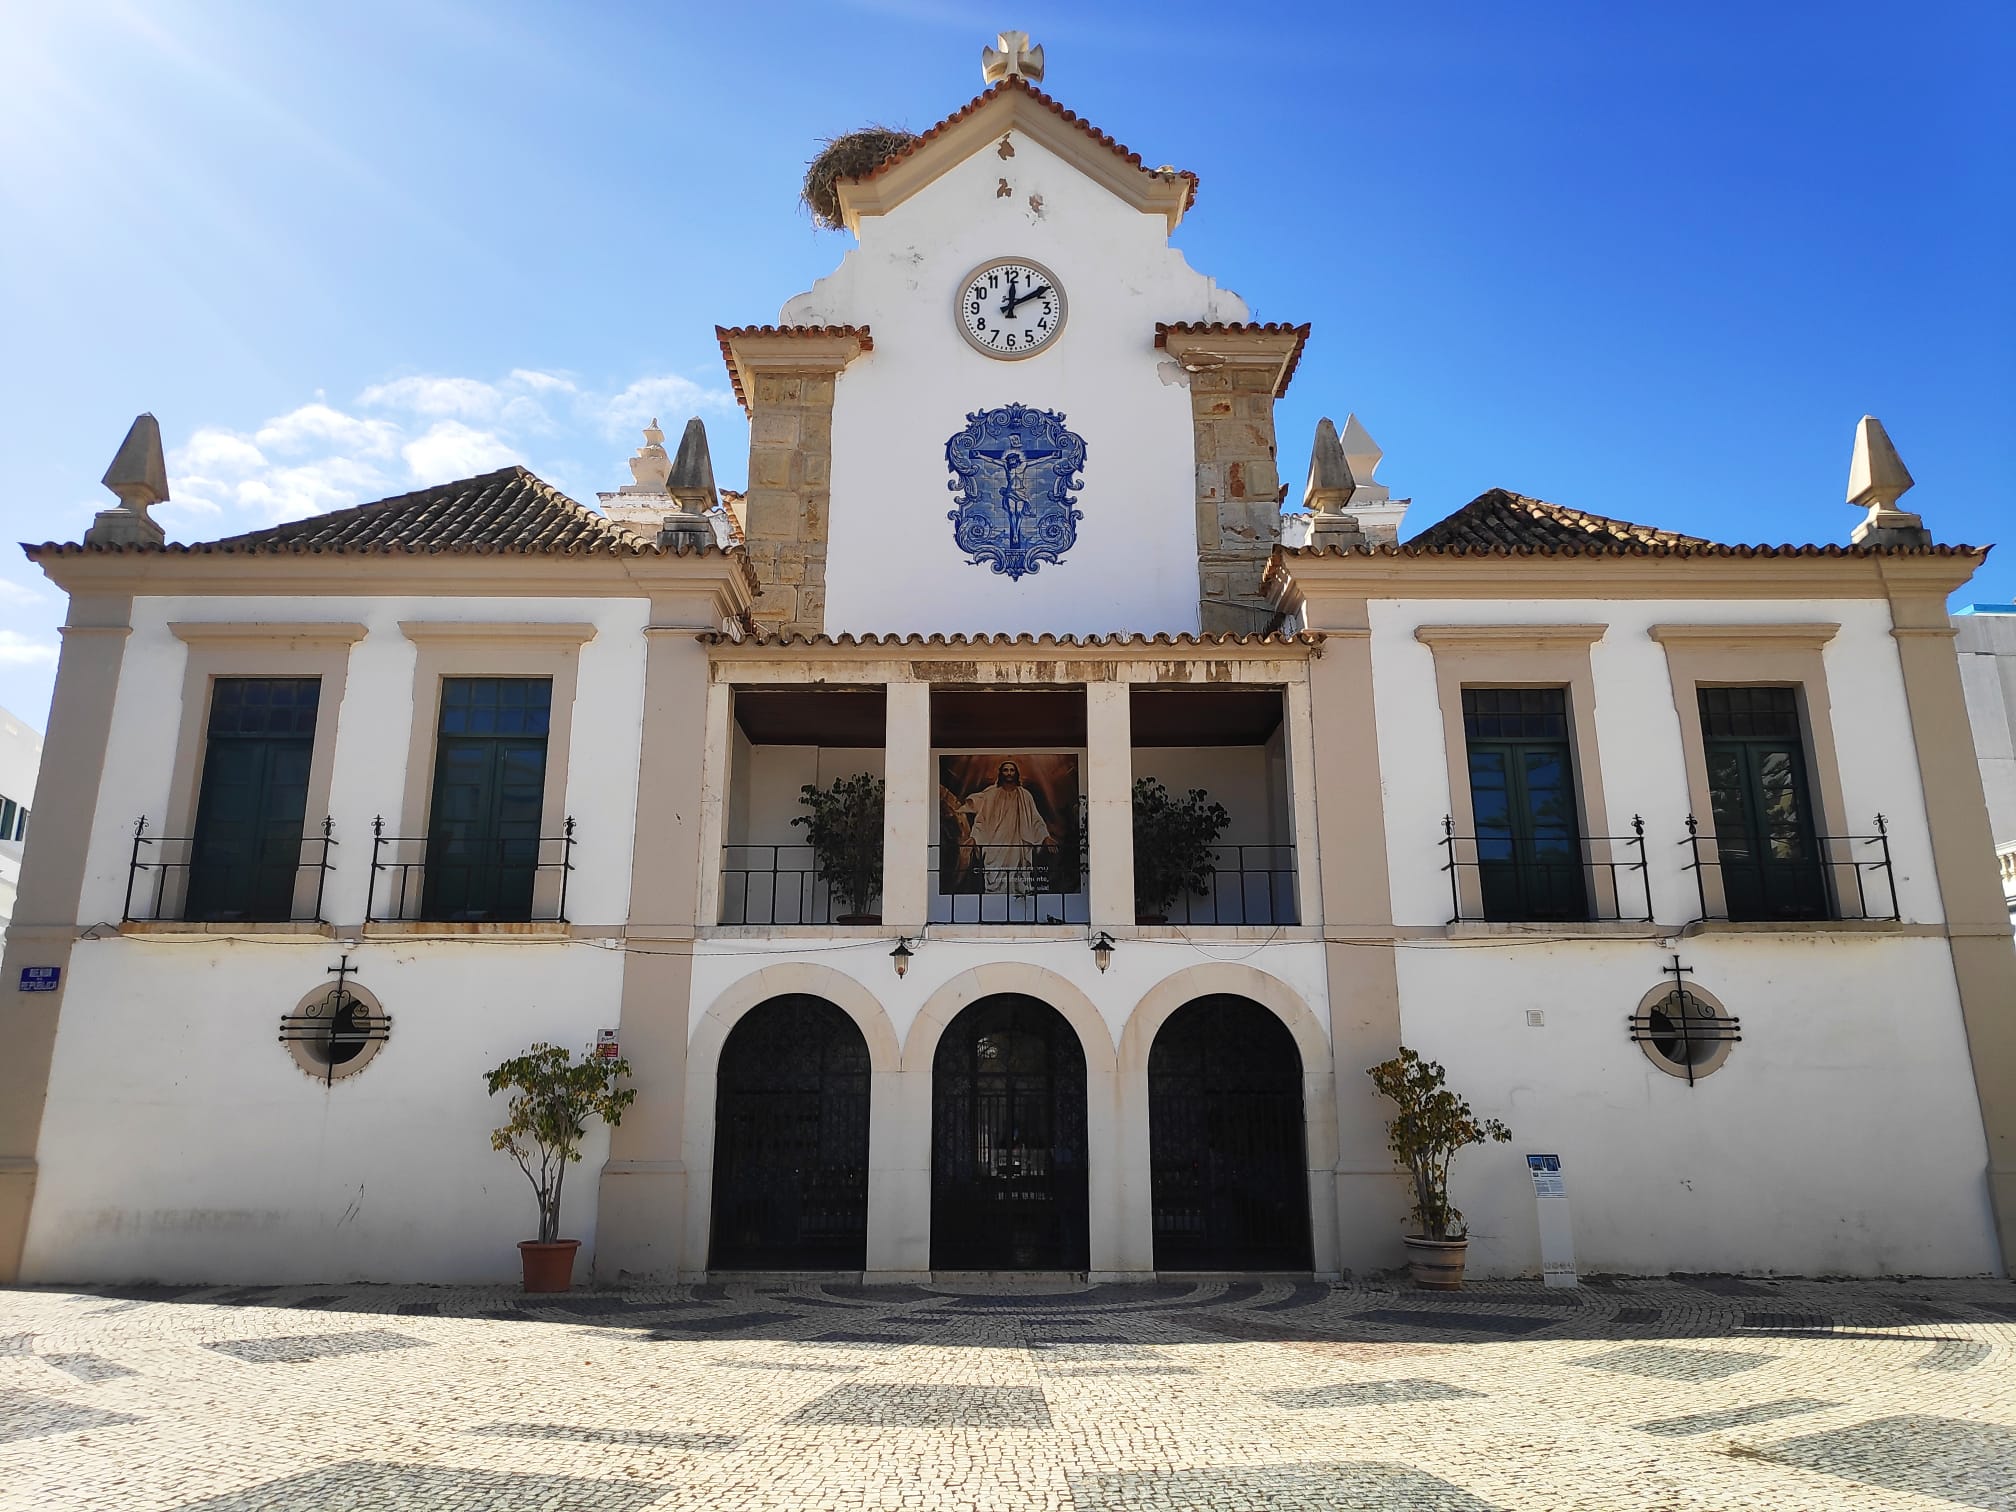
(1986, 644)
(1638, 736)
(20, 760)
(183, 1143)
(1841, 1136)
(368, 776)
(771, 780)
(891, 564)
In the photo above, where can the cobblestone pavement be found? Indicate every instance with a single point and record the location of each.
(1697, 1393)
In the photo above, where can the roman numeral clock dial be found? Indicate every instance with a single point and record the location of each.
(1010, 308)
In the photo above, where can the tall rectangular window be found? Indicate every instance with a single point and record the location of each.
(489, 797)
(1762, 803)
(1522, 796)
(246, 853)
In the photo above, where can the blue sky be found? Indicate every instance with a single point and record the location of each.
(1650, 261)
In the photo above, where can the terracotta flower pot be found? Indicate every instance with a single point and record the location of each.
(548, 1267)
(1436, 1264)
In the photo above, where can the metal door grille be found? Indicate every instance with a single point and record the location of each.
(1008, 1188)
(1227, 1165)
(791, 1141)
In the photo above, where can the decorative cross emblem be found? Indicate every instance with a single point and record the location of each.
(1011, 55)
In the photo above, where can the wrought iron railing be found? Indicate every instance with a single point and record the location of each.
(271, 879)
(1510, 882)
(448, 878)
(776, 884)
(1843, 877)
(1247, 884)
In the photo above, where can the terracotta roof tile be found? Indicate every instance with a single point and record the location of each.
(729, 335)
(1501, 518)
(510, 512)
(1163, 331)
(1305, 639)
(1015, 82)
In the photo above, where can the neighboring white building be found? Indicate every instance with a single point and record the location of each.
(1495, 793)
(1987, 646)
(20, 759)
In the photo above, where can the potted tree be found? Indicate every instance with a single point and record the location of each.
(1175, 842)
(1432, 1124)
(552, 1098)
(844, 825)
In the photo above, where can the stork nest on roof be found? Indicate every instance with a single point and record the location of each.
(848, 156)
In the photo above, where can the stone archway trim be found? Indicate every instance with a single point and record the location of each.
(995, 978)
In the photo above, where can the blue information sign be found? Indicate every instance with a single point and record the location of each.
(40, 978)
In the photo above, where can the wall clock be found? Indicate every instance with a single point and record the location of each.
(1010, 308)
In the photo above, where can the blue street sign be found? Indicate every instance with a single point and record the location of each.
(40, 978)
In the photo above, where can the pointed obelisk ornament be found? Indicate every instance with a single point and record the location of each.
(1327, 494)
(1877, 479)
(139, 476)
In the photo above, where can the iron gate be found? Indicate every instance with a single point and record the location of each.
(791, 1141)
(1230, 1182)
(1008, 1140)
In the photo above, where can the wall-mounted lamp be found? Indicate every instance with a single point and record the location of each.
(1102, 950)
(900, 957)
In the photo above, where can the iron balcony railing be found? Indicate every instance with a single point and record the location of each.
(1512, 882)
(776, 884)
(447, 878)
(266, 879)
(972, 882)
(1247, 884)
(1839, 877)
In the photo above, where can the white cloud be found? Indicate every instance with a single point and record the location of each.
(313, 424)
(18, 650)
(21, 593)
(216, 449)
(470, 398)
(452, 450)
(290, 493)
(670, 398)
(543, 383)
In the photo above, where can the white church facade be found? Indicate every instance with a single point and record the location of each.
(1674, 853)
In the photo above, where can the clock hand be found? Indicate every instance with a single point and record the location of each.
(1038, 291)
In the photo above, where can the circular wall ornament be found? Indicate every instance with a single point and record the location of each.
(1685, 1033)
(1010, 308)
(335, 1031)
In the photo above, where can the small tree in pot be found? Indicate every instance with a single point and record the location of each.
(552, 1098)
(1432, 1124)
(844, 826)
(1175, 845)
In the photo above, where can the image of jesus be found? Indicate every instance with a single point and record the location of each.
(1008, 829)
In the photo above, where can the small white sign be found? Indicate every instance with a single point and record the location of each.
(1547, 1178)
(1557, 1238)
(606, 1047)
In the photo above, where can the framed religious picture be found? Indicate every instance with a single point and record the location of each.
(1011, 827)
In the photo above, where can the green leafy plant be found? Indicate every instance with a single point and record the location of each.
(1175, 843)
(552, 1098)
(1432, 1124)
(844, 825)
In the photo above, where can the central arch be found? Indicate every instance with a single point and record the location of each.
(1008, 1139)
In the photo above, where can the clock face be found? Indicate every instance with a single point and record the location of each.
(1010, 308)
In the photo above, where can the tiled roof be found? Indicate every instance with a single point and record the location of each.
(1241, 328)
(1305, 638)
(508, 512)
(1015, 82)
(1502, 519)
(729, 335)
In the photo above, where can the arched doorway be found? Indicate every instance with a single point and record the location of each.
(1230, 1181)
(791, 1140)
(1008, 1140)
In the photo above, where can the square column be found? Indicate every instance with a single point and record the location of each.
(1109, 802)
(908, 807)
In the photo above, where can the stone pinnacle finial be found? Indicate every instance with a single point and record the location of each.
(1878, 478)
(1010, 55)
(692, 477)
(139, 477)
(650, 465)
(1329, 487)
(1361, 453)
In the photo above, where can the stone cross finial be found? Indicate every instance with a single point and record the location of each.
(1877, 479)
(650, 466)
(1011, 55)
(139, 477)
